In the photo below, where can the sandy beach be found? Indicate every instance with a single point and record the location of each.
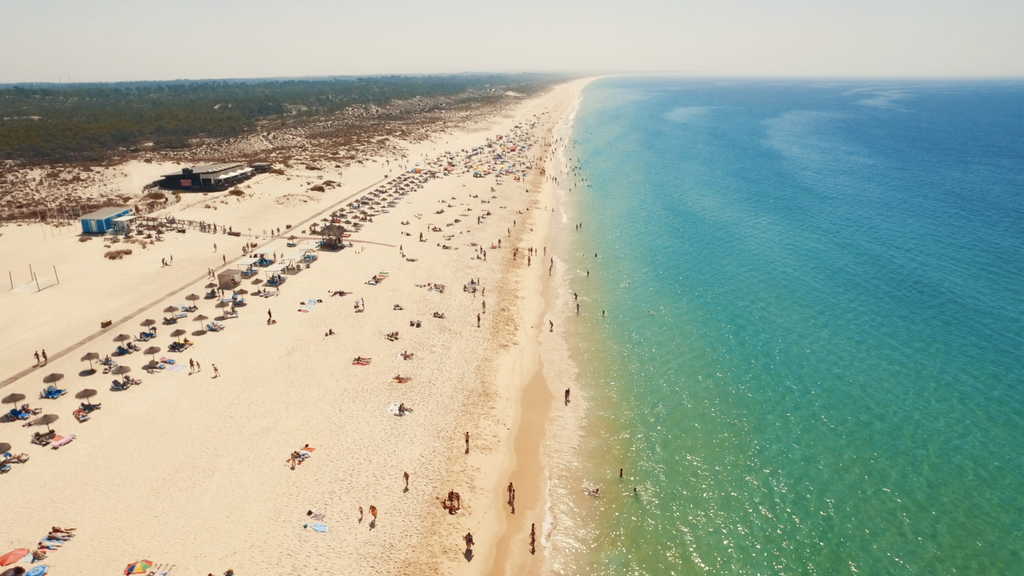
(190, 469)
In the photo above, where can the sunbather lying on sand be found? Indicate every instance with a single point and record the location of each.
(407, 355)
(338, 293)
(59, 530)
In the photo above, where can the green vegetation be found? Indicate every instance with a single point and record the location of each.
(90, 121)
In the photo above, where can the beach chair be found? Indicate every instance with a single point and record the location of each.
(124, 351)
(210, 295)
(167, 360)
(81, 415)
(239, 301)
(91, 407)
(18, 414)
(171, 320)
(43, 439)
(119, 386)
(52, 393)
(5, 469)
(214, 327)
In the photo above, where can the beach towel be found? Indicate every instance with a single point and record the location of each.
(167, 360)
(59, 441)
(320, 527)
(176, 368)
(394, 408)
(309, 306)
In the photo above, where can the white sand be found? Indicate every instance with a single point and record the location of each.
(191, 472)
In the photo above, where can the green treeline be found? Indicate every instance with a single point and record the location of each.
(90, 121)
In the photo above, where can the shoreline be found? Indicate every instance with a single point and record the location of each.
(546, 355)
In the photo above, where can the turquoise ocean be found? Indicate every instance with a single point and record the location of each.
(812, 354)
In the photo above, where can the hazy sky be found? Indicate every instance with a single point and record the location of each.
(110, 40)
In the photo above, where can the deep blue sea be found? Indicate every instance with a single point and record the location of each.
(812, 357)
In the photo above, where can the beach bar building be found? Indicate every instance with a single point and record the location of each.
(210, 178)
(100, 221)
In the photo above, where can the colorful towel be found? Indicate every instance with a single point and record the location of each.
(309, 306)
(320, 527)
(176, 368)
(59, 441)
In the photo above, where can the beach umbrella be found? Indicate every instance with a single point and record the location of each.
(192, 297)
(140, 567)
(122, 338)
(211, 285)
(241, 291)
(13, 398)
(223, 304)
(200, 319)
(152, 350)
(13, 556)
(90, 357)
(122, 369)
(55, 377)
(38, 571)
(147, 322)
(171, 309)
(177, 333)
(46, 420)
(17, 571)
(152, 365)
(85, 395)
(4, 447)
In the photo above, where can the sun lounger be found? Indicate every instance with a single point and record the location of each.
(119, 386)
(214, 327)
(91, 407)
(63, 440)
(52, 393)
(81, 415)
(4, 469)
(10, 458)
(167, 360)
(43, 439)
(18, 414)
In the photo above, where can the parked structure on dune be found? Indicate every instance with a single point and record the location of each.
(213, 177)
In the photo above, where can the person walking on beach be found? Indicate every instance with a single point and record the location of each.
(216, 372)
(360, 514)
(270, 317)
(406, 476)
(199, 367)
(567, 396)
(477, 320)
(373, 512)
(510, 490)
(467, 442)
(533, 538)
(551, 326)
(45, 359)
(225, 257)
(214, 246)
(37, 357)
(469, 541)
(191, 366)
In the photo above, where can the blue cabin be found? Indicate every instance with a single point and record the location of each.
(100, 221)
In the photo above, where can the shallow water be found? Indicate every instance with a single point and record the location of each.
(812, 355)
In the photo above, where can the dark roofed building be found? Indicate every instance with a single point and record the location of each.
(209, 178)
